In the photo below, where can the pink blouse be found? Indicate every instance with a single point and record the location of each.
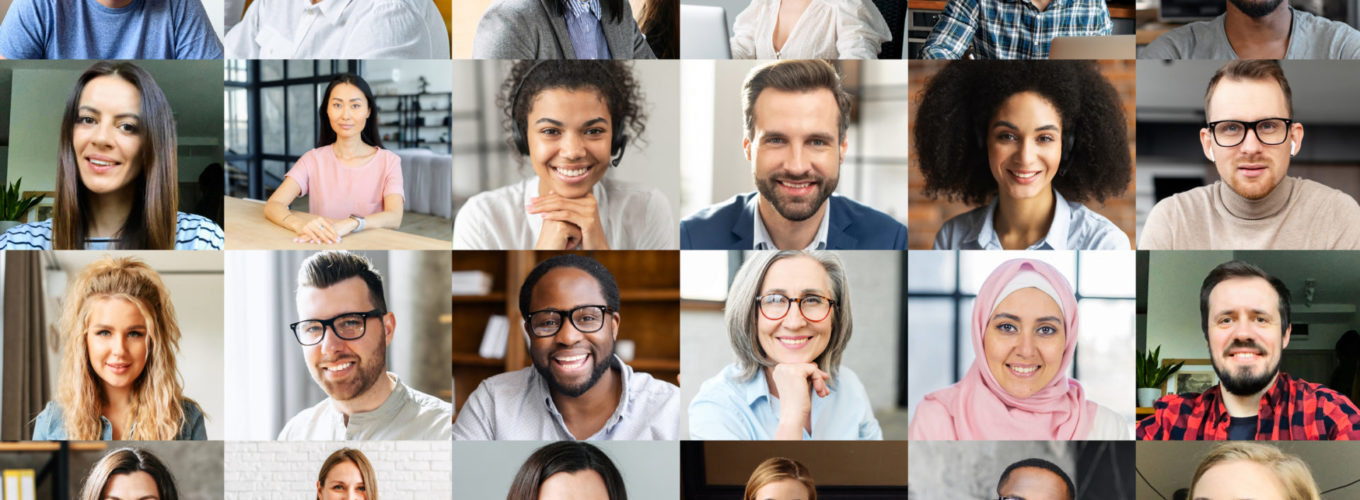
(337, 191)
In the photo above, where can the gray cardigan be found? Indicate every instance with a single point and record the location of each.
(526, 29)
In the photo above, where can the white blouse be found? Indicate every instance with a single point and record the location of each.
(633, 216)
(828, 29)
(335, 29)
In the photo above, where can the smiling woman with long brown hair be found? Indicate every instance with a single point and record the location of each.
(117, 172)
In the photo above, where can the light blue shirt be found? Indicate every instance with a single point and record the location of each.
(51, 424)
(728, 408)
(85, 29)
(192, 232)
(1074, 227)
(585, 30)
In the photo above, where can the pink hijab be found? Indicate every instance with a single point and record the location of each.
(978, 408)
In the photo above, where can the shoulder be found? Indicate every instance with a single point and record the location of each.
(300, 425)
(1323, 194)
(1108, 425)
(196, 232)
(723, 389)
(31, 236)
(502, 201)
(1200, 197)
(515, 380)
(49, 424)
(728, 210)
(1181, 42)
(870, 221)
(1095, 232)
(961, 228)
(513, 9)
(655, 392)
(931, 422)
(428, 402)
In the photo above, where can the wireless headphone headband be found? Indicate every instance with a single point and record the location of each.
(520, 133)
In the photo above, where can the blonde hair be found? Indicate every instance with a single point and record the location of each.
(741, 312)
(1290, 470)
(360, 462)
(778, 469)
(158, 399)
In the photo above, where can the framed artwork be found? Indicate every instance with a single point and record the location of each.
(43, 210)
(1196, 376)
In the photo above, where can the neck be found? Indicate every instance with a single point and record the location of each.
(114, 4)
(787, 234)
(1020, 223)
(109, 212)
(351, 147)
(117, 399)
(1259, 37)
(368, 401)
(1245, 406)
(590, 410)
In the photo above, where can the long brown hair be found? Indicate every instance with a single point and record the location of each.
(127, 461)
(151, 223)
(568, 457)
(360, 461)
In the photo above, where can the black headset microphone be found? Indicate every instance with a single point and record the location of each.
(618, 141)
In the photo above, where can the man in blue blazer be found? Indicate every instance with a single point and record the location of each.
(796, 115)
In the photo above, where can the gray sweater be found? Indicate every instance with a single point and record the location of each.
(526, 29)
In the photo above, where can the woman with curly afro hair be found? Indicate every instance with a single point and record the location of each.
(1029, 142)
(572, 122)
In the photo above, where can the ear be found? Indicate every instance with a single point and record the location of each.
(389, 322)
(845, 146)
(746, 146)
(1296, 138)
(617, 321)
(1285, 342)
(1206, 141)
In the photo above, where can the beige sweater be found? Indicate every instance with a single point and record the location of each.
(1298, 214)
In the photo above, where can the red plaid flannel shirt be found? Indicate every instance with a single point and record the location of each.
(1294, 409)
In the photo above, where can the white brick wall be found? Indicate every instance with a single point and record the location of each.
(272, 470)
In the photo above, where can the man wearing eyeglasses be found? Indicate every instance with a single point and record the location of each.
(1251, 135)
(1035, 479)
(344, 329)
(577, 388)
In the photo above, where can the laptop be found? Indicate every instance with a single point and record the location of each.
(705, 34)
(1093, 47)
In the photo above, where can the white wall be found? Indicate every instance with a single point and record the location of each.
(33, 144)
(484, 469)
(1173, 320)
(271, 470)
(379, 73)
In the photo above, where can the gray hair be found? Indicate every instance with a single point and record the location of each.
(741, 311)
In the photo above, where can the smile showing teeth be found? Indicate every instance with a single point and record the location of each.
(796, 186)
(571, 362)
(102, 163)
(1245, 356)
(1024, 175)
(575, 172)
(336, 368)
(794, 341)
(1023, 371)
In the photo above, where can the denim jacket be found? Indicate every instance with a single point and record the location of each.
(51, 424)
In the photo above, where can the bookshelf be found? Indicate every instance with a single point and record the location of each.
(56, 470)
(423, 120)
(649, 296)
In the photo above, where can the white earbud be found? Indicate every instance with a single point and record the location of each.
(1293, 148)
(1211, 155)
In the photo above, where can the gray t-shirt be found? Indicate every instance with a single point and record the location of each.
(1310, 37)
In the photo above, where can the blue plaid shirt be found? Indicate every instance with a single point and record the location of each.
(1012, 29)
(585, 30)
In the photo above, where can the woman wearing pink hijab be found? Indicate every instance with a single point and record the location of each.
(1024, 330)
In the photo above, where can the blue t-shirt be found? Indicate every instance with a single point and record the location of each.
(85, 29)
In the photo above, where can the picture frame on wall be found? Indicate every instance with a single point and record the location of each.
(1196, 376)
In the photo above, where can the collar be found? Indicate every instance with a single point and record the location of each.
(625, 397)
(536, 222)
(1056, 239)
(388, 410)
(1269, 206)
(578, 8)
(332, 9)
(761, 236)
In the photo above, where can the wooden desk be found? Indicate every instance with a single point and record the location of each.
(248, 229)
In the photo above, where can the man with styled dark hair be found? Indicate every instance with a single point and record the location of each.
(1258, 29)
(577, 389)
(795, 113)
(344, 328)
(1244, 313)
(1251, 135)
(1035, 479)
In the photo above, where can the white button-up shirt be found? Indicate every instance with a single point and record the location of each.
(339, 29)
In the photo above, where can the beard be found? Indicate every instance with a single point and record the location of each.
(1243, 382)
(368, 371)
(796, 208)
(601, 364)
(1256, 9)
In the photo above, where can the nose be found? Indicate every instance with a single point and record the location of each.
(1029, 153)
(120, 344)
(101, 136)
(568, 334)
(330, 342)
(800, 163)
(1028, 345)
(794, 319)
(571, 146)
(1251, 143)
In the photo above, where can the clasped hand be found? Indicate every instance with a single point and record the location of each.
(323, 231)
(568, 223)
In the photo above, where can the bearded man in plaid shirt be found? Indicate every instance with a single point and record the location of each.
(1012, 29)
(1244, 312)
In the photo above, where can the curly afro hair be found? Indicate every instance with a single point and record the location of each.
(612, 79)
(962, 98)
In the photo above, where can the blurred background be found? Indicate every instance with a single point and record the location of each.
(59, 469)
(35, 287)
(33, 96)
(943, 285)
(269, 381)
(279, 469)
(271, 120)
(876, 351)
(842, 470)
(485, 469)
(1171, 114)
(659, 21)
(968, 470)
(927, 215)
(874, 171)
(486, 160)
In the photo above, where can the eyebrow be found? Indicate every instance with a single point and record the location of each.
(360, 99)
(805, 291)
(112, 327)
(143, 497)
(122, 115)
(1054, 319)
(550, 122)
(1008, 316)
(1261, 312)
(1003, 123)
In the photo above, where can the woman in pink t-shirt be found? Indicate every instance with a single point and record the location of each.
(353, 182)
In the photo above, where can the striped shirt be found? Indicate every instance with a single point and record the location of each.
(192, 232)
(1012, 29)
(1293, 409)
(585, 30)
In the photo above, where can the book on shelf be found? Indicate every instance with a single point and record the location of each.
(471, 283)
(19, 485)
(494, 338)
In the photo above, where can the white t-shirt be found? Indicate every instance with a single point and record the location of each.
(339, 29)
(633, 216)
(828, 29)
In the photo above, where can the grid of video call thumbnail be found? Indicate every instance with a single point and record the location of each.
(402, 250)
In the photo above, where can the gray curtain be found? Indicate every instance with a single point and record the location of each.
(25, 351)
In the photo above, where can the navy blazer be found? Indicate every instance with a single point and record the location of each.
(853, 226)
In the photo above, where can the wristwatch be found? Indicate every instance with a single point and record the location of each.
(360, 220)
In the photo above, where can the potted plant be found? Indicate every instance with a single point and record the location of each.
(1150, 375)
(13, 207)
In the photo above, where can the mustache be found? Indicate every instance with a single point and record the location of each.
(1244, 344)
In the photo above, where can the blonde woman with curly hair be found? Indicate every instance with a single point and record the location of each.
(1252, 470)
(118, 378)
